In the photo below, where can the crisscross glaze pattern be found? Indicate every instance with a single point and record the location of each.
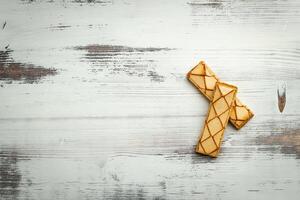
(217, 119)
(205, 80)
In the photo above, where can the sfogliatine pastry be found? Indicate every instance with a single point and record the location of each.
(221, 106)
(205, 80)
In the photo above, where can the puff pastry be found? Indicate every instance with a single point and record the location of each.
(205, 80)
(216, 121)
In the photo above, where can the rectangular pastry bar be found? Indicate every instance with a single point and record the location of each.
(205, 80)
(217, 118)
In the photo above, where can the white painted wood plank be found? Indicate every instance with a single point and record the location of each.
(120, 120)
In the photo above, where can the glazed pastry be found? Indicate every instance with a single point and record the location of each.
(205, 80)
(216, 121)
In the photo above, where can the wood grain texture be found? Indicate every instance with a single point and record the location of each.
(119, 120)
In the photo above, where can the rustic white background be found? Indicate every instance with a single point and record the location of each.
(120, 120)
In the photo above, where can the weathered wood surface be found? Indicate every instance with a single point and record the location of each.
(119, 120)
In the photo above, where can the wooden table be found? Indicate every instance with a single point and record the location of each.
(117, 119)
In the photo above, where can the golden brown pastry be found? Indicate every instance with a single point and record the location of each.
(205, 80)
(217, 119)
